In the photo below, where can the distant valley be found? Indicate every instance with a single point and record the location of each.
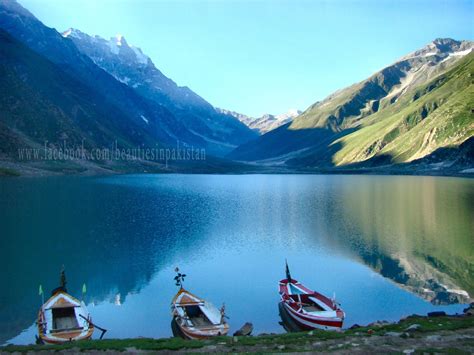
(265, 123)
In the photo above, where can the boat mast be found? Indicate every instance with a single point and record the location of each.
(288, 275)
(62, 280)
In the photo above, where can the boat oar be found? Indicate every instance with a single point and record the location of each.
(94, 325)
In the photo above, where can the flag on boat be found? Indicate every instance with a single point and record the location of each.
(288, 276)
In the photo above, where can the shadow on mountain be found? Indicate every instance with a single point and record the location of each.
(284, 142)
(443, 160)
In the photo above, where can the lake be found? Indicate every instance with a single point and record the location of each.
(386, 246)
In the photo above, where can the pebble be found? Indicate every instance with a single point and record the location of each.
(235, 339)
(409, 351)
(413, 328)
(433, 338)
(393, 334)
(379, 323)
(281, 347)
(310, 333)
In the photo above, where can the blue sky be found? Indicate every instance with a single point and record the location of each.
(260, 56)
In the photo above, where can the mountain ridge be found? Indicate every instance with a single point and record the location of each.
(217, 132)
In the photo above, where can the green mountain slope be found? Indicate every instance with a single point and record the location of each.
(434, 115)
(403, 113)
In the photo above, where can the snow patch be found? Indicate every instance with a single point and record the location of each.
(113, 47)
(118, 39)
(67, 33)
(141, 58)
(124, 80)
(468, 171)
(71, 33)
(461, 53)
(144, 119)
(457, 54)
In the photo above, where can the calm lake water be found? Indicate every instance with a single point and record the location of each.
(386, 246)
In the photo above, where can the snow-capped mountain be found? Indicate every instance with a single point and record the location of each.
(265, 123)
(446, 48)
(214, 130)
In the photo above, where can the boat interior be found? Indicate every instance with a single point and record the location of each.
(64, 318)
(308, 303)
(197, 316)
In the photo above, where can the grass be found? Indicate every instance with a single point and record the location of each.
(8, 172)
(290, 341)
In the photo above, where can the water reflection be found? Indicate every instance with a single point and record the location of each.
(124, 235)
(114, 248)
(417, 231)
(286, 321)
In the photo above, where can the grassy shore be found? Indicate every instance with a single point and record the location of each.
(415, 334)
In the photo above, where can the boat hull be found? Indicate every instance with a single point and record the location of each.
(193, 334)
(66, 337)
(310, 322)
(323, 313)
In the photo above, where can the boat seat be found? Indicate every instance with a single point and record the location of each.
(201, 321)
(324, 314)
(65, 323)
(64, 318)
(311, 308)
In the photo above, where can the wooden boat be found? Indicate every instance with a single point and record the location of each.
(63, 318)
(309, 309)
(196, 318)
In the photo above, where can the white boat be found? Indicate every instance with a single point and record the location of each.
(196, 318)
(63, 318)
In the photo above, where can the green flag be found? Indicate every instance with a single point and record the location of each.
(84, 288)
(40, 291)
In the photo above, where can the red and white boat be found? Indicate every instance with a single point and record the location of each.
(309, 309)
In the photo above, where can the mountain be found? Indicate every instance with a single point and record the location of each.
(419, 105)
(218, 132)
(54, 95)
(264, 123)
(41, 102)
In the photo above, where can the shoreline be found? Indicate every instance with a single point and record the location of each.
(20, 171)
(414, 334)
